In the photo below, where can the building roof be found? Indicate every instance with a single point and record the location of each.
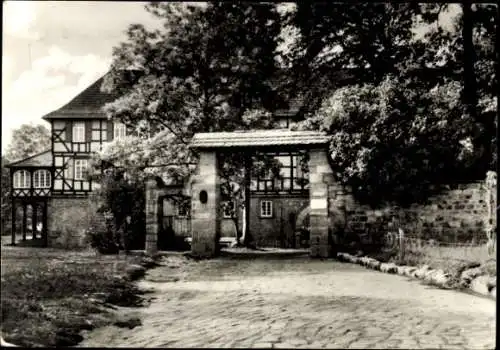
(87, 104)
(255, 138)
(43, 159)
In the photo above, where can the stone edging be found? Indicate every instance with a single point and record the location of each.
(470, 278)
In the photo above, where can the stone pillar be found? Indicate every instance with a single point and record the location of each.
(151, 216)
(319, 170)
(491, 199)
(205, 223)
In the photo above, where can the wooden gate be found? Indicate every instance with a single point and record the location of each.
(174, 225)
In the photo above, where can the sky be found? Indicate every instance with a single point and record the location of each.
(53, 50)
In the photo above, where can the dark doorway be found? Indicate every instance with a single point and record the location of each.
(174, 225)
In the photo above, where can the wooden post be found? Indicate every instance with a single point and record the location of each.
(25, 212)
(13, 223)
(34, 209)
(45, 231)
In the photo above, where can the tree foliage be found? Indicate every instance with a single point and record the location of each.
(202, 74)
(400, 130)
(390, 143)
(28, 140)
(405, 113)
(348, 43)
(120, 201)
(210, 69)
(468, 49)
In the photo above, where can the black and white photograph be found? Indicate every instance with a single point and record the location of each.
(316, 175)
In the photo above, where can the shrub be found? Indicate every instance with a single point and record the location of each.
(101, 234)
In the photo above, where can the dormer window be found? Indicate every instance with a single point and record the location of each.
(78, 132)
(119, 130)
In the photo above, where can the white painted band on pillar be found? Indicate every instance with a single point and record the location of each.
(322, 192)
(324, 169)
(319, 203)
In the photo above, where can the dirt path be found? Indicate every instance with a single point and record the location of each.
(300, 303)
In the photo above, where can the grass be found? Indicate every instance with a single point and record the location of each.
(50, 295)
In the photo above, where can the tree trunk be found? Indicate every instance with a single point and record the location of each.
(244, 226)
(484, 128)
(247, 241)
(469, 92)
(238, 230)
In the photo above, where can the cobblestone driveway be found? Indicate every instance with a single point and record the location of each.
(300, 303)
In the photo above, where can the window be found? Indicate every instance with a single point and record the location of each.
(80, 169)
(119, 130)
(291, 177)
(104, 131)
(78, 132)
(41, 179)
(99, 130)
(229, 210)
(266, 209)
(22, 179)
(59, 128)
(283, 123)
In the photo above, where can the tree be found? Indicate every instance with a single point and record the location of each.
(28, 140)
(344, 43)
(386, 141)
(391, 142)
(468, 50)
(208, 68)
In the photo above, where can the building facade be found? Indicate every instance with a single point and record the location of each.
(302, 207)
(50, 190)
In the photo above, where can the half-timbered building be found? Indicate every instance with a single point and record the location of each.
(54, 184)
(50, 190)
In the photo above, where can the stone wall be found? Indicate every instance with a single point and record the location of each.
(491, 198)
(67, 221)
(155, 191)
(459, 214)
